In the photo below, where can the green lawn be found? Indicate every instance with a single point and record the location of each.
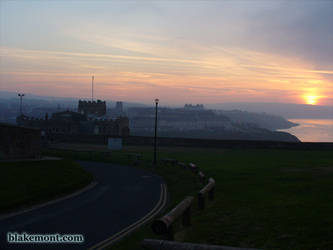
(271, 199)
(25, 183)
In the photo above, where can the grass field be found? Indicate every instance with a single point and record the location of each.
(271, 199)
(25, 183)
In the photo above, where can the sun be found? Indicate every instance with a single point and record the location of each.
(311, 99)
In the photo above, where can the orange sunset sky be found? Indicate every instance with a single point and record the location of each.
(178, 51)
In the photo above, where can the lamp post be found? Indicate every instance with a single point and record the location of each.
(21, 97)
(155, 137)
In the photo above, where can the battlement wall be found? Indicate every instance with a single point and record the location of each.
(92, 107)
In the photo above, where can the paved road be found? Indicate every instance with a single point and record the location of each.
(122, 196)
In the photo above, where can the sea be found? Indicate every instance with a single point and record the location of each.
(312, 130)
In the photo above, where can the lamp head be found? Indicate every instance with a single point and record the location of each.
(156, 101)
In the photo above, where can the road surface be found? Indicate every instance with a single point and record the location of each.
(122, 196)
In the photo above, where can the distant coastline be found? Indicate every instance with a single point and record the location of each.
(291, 124)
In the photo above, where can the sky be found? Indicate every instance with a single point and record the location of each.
(177, 51)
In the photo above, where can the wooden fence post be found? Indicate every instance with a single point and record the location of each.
(193, 167)
(201, 201)
(202, 177)
(187, 217)
(182, 164)
(210, 189)
(170, 235)
(211, 193)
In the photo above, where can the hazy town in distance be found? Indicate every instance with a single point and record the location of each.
(189, 121)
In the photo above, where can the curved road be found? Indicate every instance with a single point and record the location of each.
(122, 196)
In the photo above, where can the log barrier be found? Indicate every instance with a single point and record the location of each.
(170, 161)
(151, 244)
(208, 189)
(182, 164)
(164, 225)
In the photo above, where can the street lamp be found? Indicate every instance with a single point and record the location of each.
(155, 138)
(21, 96)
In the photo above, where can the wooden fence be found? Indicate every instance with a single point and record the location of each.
(164, 225)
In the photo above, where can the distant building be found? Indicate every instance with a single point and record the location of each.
(95, 108)
(119, 108)
(194, 107)
(70, 122)
(178, 119)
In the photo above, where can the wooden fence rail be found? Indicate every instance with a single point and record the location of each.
(182, 164)
(208, 189)
(151, 244)
(170, 161)
(163, 225)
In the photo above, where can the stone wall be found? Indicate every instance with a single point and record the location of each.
(186, 142)
(19, 142)
(89, 139)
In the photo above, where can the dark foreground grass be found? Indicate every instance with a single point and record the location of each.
(25, 183)
(271, 199)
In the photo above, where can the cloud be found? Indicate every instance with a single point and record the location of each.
(300, 29)
(215, 68)
(173, 49)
